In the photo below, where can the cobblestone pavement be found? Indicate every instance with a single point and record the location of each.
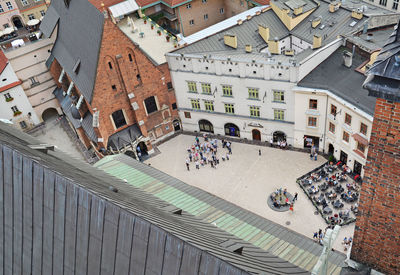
(247, 179)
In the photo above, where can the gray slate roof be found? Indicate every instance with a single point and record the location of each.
(384, 76)
(345, 82)
(247, 33)
(79, 35)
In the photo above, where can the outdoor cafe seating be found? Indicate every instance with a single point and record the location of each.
(338, 204)
(331, 195)
(313, 190)
(327, 210)
(339, 189)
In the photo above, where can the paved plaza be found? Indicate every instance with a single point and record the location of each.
(247, 180)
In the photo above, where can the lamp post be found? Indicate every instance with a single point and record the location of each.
(321, 267)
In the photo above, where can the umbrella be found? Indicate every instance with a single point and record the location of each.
(1, 33)
(41, 18)
(33, 22)
(17, 43)
(8, 31)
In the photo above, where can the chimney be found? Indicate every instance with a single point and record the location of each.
(264, 32)
(298, 10)
(369, 36)
(357, 14)
(289, 52)
(248, 48)
(347, 59)
(334, 6)
(230, 40)
(317, 41)
(240, 22)
(315, 22)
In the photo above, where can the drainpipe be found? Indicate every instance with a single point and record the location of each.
(326, 118)
(180, 21)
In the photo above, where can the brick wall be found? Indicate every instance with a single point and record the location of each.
(132, 73)
(377, 233)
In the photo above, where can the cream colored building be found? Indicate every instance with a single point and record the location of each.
(29, 63)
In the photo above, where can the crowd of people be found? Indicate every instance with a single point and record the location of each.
(206, 153)
(280, 198)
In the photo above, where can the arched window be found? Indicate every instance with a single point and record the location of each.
(119, 119)
(206, 126)
(232, 130)
(130, 57)
(110, 65)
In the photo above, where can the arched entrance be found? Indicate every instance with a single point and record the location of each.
(130, 154)
(331, 149)
(142, 148)
(256, 134)
(232, 130)
(17, 22)
(177, 125)
(50, 114)
(206, 126)
(278, 136)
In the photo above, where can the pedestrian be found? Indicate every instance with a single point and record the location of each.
(140, 156)
(259, 152)
(295, 197)
(212, 164)
(315, 237)
(227, 157)
(291, 207)
(197, 164)
(187, 164)
(271, 142)
(191, 157)
(315, 156)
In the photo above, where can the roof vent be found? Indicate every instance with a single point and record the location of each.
(42, 147)
(347, 59)
(248, 48)
(369, 36)
(113, 188)
(258, 12)
(172, 209)
(233, 246)
(240, 22)
(248, 17)
(230, 40)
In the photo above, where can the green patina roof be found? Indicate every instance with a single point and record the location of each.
(267, 235)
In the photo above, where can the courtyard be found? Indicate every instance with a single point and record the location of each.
(247, 179)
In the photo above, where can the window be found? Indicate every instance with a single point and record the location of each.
(279, 114)
(5, 25)
(312, 121)
(221, 10)
(195, 104)
(119, 119)
(151, 104)
(1, 10)
(333, 110)
(31, 16)
(254, 111)
(169, 85)
(346, 136)
(14, 109)
(226, 90)
(174, 107)
(189, 6)
(279, 96)
(206, 88)
(363, 129)
(42, 13)
(138, 77)
(24, 2)
(187, 115)
(205, 16)
(192, 87)
(130, 57)
(8, 97)
(313, 104)
(347, 119)
(33, 81)
(209, 105)
(23, 124)
(229, 108)
(382, 2)
(395, 4)
(204, 1)
(110, 65)
(331, 127)
(9, 6)
(253, 93)
(114, 87)
(360, 147)
(191, 22)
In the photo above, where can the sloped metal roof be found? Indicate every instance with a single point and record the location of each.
(79, 35)
(124, 8)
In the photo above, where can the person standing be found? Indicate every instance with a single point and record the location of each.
(259, 152)
(197, 164)
(187, 164)
(291, 207)
(271, 142)
(295, 197)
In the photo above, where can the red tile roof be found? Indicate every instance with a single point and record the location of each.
(3, 61)
(9, 86)
(262, 2)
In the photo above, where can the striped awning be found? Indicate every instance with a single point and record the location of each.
(360, 139)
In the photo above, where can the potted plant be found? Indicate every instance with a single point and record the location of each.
(17, 113)
(152, 26)
(175, 45)
(145, 20)
(159, 32)
(9, 99)
(167, 37)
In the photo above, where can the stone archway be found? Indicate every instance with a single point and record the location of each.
(17, 22)
(176, 124)
(278, 136)
(232, 130)
(206, 126)
(49, 115)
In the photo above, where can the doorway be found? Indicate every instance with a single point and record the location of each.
(177, 125)
(206, 126)
(142, 148)
(331, 149)
(232, 130)
(357, 167)
(309, 141)
(17, 23)
(278, 136)
(256, 134)
(343, 157)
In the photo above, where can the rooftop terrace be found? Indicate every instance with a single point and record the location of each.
(153, 44)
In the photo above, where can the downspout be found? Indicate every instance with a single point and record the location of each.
(326, 118)
(180, 22)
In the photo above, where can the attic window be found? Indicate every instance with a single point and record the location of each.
(66, 2)
(77, 66)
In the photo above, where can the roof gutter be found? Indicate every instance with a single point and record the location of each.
(162, 2)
